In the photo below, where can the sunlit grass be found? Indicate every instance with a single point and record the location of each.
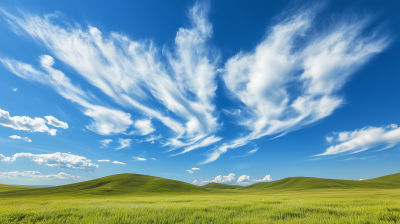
(343, 206)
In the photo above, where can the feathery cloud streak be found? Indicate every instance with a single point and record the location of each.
(131, 72)
(363, 139)
(106, 120)
(284, 86)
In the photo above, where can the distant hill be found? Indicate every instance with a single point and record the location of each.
(118, 184)
(37, 186)
(221, 186)
(309, 183)
(143, 185)
(5, 187)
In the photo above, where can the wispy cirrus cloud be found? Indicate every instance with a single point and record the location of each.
(106, 120)
(284, 86)
(117, 162)
(36, 175)
(105, 142)
(349, 142)
(59, 160)
(124, 143)
(131, 72)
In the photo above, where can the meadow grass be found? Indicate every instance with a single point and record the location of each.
(336, 206)
(134, 198)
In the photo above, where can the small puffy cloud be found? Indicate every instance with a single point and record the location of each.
(56, 123)
(139, 158)
(25, 123)
(362, 139)
(195, 168)
(245, 180)
(36, 175)
(125, 143)
(145, 127)
(152, 158)
(15, 90)
(103, 160)
(217, 179)
(105, 142)
(59, 160)
(22, 138)
(117, 162)
(189, 171)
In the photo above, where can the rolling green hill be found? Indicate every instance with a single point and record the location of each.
(143, 185)
(4, 187)
(221, 186)
(118, 184)
(310, 183)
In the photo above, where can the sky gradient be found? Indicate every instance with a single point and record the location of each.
(229, 92)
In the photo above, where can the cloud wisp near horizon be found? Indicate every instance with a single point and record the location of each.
(290, 80)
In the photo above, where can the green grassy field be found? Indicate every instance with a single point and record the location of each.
(133, 198)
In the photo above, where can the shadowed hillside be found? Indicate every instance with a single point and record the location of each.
(4, 187)
(118, 184)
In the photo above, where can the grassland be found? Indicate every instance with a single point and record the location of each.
(132, 198)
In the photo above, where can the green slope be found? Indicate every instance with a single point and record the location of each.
(119, 184)
(143, 185)
(4, 187)
(395, 178)
(310, 183)
(221, 186)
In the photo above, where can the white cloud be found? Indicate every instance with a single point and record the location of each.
(263, 79)
(15, 90)
(25, 123)
(362, 139)
(105, 142)
(103, 160)
(218, 179)
(245, 180)
(36, 175)
(22, 138)
(151, 139)
(152, 158)
(202, 143)
(105, 120)
(145, 127)
(195, 168)
(329, 139)
(117, 162)
(125, 143)
(251, 152)
(189, 171)
(139, 158)
(56, 123)
(59, 160)
(131, 73)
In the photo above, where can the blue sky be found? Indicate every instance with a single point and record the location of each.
(233, 92)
